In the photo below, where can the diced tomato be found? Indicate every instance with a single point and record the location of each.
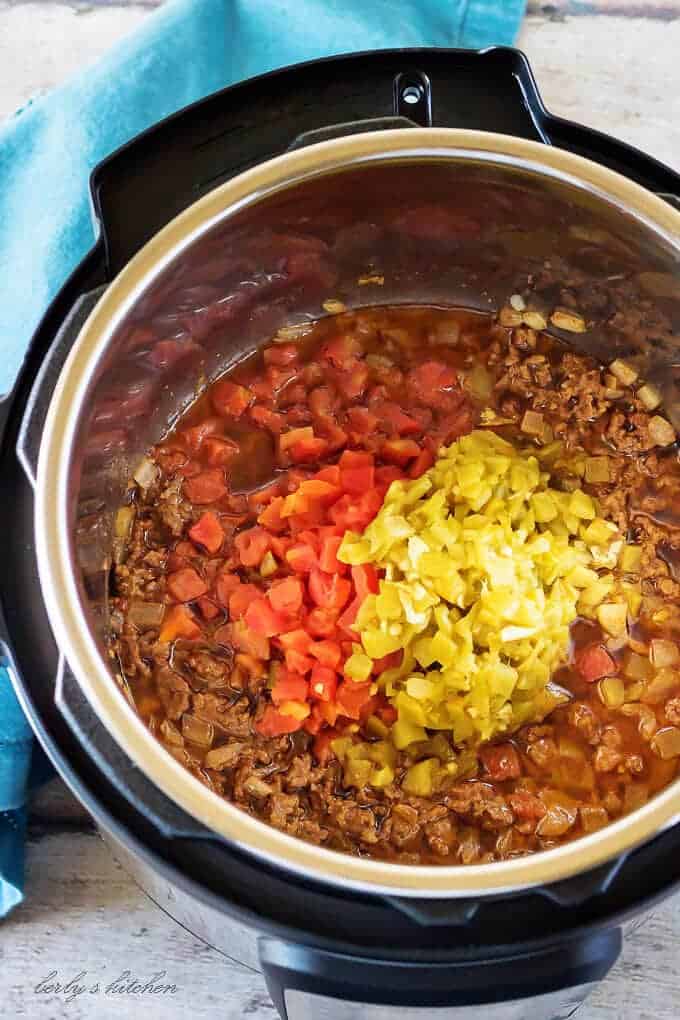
(399, 451)
(458, 424)
(225, 584)
(205, 487)
(328, 557)
(319, 490)
(430, 377)
(186, 585)
(209, 611)
(293, 436)
(190, 469)
(386, 474)
(594, 662)
(286, 595)
(289, 686)
(322, 622)
(321, 401)
(180, 556)
(323, 683)
(300, 523)
(326, 710)
(280, 354)
(328, 653)
(323, 751)
(251, 546)
(397, 420)
(207, 532)
(501, 762)
(263, 497)
(342, 352)
(302, 558)
(298, 640)
(355, 513)
(329, 591)
(271, 515)
(390, 661)
(279, 378)
(357, 471)
(179, 622)
(314, 722)
(388, 714)
(365, 578)
(297, 662)
(218, 452)
(230, 399)
(352, 383)
(361, 422)
(421, 464)
(238, 635)
(334, 436)
(308, 450)
(348, 618)
(433, 384)
(298, 415)
(352, 697)
(268, 419)
(329, 474)
(261, 618)
(280, 545)
(240, 599)
(274, 723)
(195, 435)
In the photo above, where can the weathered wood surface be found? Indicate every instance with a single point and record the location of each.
(616, 69)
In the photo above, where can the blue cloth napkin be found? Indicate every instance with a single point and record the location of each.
(186, 50)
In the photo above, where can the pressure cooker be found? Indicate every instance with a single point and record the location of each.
(325, 143)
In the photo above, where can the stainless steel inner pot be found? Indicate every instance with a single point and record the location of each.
(484, 214)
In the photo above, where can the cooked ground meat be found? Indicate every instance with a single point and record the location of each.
(357, 381)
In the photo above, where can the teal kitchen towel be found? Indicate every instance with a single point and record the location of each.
(185, 50)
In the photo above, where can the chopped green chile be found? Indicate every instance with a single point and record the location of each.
(277, 672)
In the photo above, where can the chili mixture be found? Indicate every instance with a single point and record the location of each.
(239, 617)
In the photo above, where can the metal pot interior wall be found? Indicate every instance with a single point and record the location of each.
(452, 233)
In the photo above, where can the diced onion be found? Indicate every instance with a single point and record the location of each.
(146, 615)
(597, 469)
(292, 333)
(661, 686)
(666, 742)
(171, 734)
(624, 372)
(123, 521)
(333, 306)
(571, 322)
(532, 423)
(649, 396)
(612, 692)
(663, 652)
(197, 731)
(146, 473)
(661, 432)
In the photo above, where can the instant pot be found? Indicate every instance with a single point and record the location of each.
(228, 221)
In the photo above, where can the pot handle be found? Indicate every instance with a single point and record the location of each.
(546, 983)
(412, 103)
(147, 182)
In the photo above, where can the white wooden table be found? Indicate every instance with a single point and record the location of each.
(615, 70)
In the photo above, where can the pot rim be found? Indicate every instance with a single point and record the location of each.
(53, 541)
